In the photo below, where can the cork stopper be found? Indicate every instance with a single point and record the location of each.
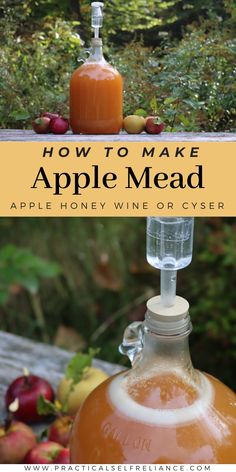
(168, 320)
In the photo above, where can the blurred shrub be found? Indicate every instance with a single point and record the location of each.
(22, 269)
(191, 85)
(197, 83)
(22, 272)
(105, 282)
(138, 66)
(35, 71)
(124, 22)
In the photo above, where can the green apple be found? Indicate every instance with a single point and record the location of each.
(92, 377)
(134, 124)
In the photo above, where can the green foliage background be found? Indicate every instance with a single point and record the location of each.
(101, 281)
(177, 59)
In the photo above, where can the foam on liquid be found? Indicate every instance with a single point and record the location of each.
(122, 401)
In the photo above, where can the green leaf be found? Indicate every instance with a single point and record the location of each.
(21, 266)
(191, 103)
(4, 295)
(76, 367)
(29, 282)
(153, 105)
(42, 436)
(45, 407)
(141, 112)
(158, 120)
(184, 119)
(169, 100)
(20, 115)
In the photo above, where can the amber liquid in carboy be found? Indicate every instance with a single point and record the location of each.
(109, 430)
(96, 99)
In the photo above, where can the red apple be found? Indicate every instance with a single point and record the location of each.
(60, 429)
(47, 452)
(41, 125)
(154, 125)
(52, 116)
(16, 441)
(59, 125)
(27, 390)
(63, 457)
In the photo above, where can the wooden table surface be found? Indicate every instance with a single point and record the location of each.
(47, 361)
(28, 135)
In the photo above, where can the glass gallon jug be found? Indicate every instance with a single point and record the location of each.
(96, 95)
(162, 410)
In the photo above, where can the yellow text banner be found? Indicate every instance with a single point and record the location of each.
(118, 179)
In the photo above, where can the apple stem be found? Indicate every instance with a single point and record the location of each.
(14, 406)
(26, 376)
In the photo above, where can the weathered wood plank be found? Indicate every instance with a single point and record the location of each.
(28, 135)
(41, 359)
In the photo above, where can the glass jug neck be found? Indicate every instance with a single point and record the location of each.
(96, 52)
(160, 343)
(166, 352)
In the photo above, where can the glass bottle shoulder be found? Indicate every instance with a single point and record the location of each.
(167, 398)
(94, 70)
(127, 427)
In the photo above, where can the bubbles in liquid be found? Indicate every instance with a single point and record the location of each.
(162, 400)
(115, 425)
